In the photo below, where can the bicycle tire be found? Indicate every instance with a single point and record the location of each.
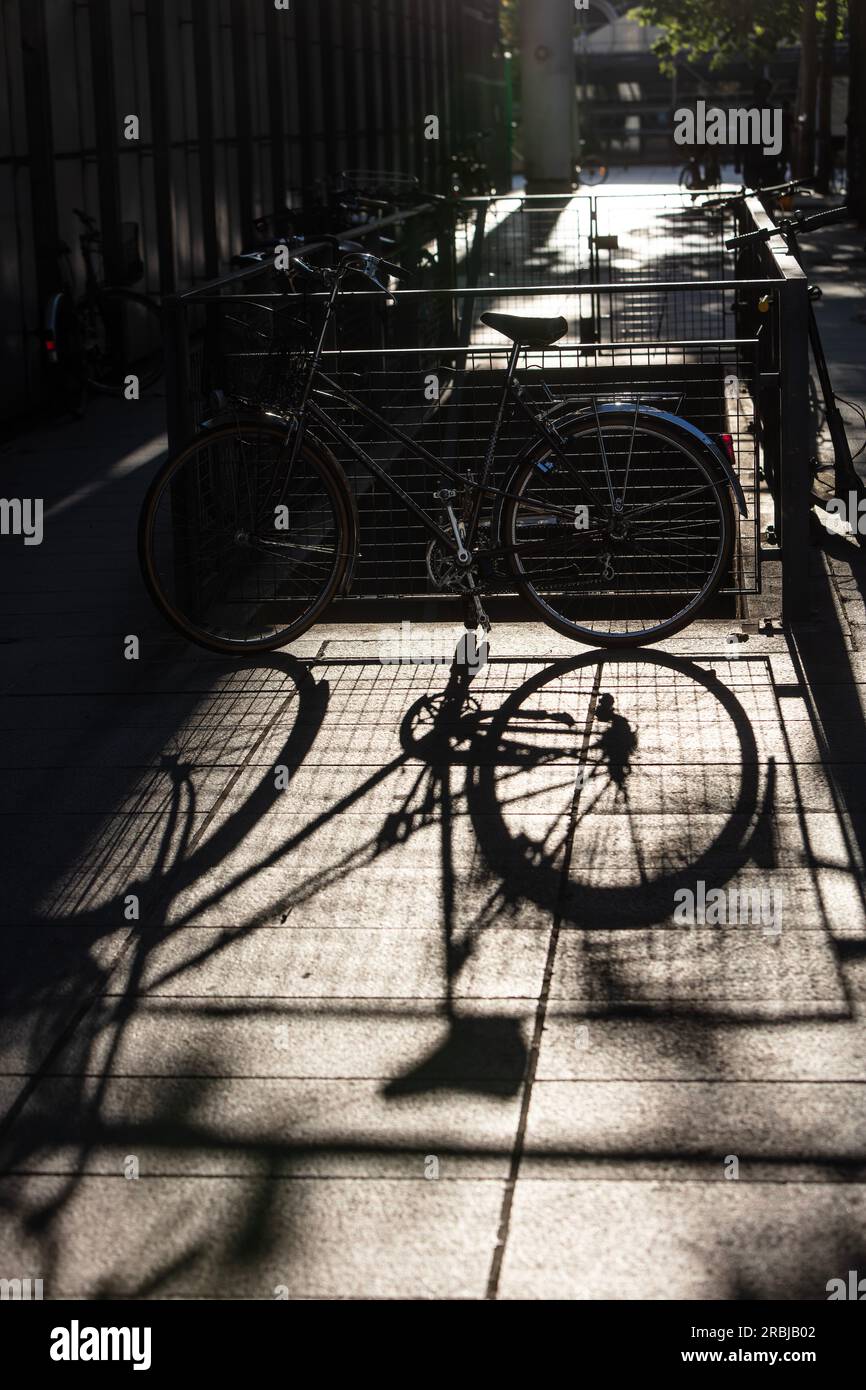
(681, 463)
(219, 556)
(114, 311)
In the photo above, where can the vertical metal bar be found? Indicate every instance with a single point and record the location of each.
(106, 130)
(159, 117)
(276, 120)
(420, 106)
(305, 110)
(201, 17)
(371, 147)
(795, 485)
(330, 76)
(386, 48)
(443, 104)
(350, 81)
(406, 89)
(178, 405)
(243, 120)
(40, 145)
(473, 274)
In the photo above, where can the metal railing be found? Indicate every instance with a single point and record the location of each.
(729, 351)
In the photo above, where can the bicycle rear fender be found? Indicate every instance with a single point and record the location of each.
(705, 442)
(51, 326)
(250, 415)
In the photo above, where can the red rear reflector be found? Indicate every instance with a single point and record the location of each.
(50, 345)
(728, 442)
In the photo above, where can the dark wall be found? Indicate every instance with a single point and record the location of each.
(242, 108)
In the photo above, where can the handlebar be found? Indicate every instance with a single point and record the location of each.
(798, 222)
(354, 260)
(727, 200)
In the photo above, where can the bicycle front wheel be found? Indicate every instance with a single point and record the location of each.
(122, 337)
(240, 556)
(626, 578)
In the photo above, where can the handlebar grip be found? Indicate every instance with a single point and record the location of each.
(396, 270)
(762, 234)
(823, 219)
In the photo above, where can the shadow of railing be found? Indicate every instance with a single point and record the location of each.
(548, 776)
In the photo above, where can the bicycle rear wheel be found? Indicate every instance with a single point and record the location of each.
(239, 557)
(122, 337)
(636, 578)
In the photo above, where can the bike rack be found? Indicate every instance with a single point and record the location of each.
(658, 310)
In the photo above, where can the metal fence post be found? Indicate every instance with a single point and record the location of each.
(175, 337)
(794, 428)
(473, 274)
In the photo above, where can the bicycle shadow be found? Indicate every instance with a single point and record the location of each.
(532, 772)
(74, 1036)
(499, 753)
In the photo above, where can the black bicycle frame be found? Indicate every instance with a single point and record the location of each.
(311, 410)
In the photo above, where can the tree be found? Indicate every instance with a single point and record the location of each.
(754, 29)
(721, 29)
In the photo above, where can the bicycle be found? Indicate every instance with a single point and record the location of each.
(615, 523)
(97, 341)
(698, 175)
(591, 169)
(790, 229)
(781, 193)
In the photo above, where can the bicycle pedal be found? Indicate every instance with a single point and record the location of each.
(482, 619)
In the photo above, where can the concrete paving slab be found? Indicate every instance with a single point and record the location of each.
(712, 1239)
(254, 1238)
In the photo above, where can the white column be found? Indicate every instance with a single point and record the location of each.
(548, 99)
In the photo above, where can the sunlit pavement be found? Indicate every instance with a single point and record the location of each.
(409, 1008)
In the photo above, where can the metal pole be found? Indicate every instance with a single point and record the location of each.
(795, 483)
(548, 95)
(175, 333)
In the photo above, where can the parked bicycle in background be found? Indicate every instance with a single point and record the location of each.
(103, 338)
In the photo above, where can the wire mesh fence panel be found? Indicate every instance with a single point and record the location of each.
(445, 402)
(653, 317)
(521, 242)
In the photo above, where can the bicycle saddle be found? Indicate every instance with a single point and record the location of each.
(537, 333)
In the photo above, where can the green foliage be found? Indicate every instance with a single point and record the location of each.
(721, 29)
(510, 22)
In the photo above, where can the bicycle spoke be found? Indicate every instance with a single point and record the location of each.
(639, 571)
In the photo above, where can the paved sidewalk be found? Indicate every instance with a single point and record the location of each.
(423, 1023)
